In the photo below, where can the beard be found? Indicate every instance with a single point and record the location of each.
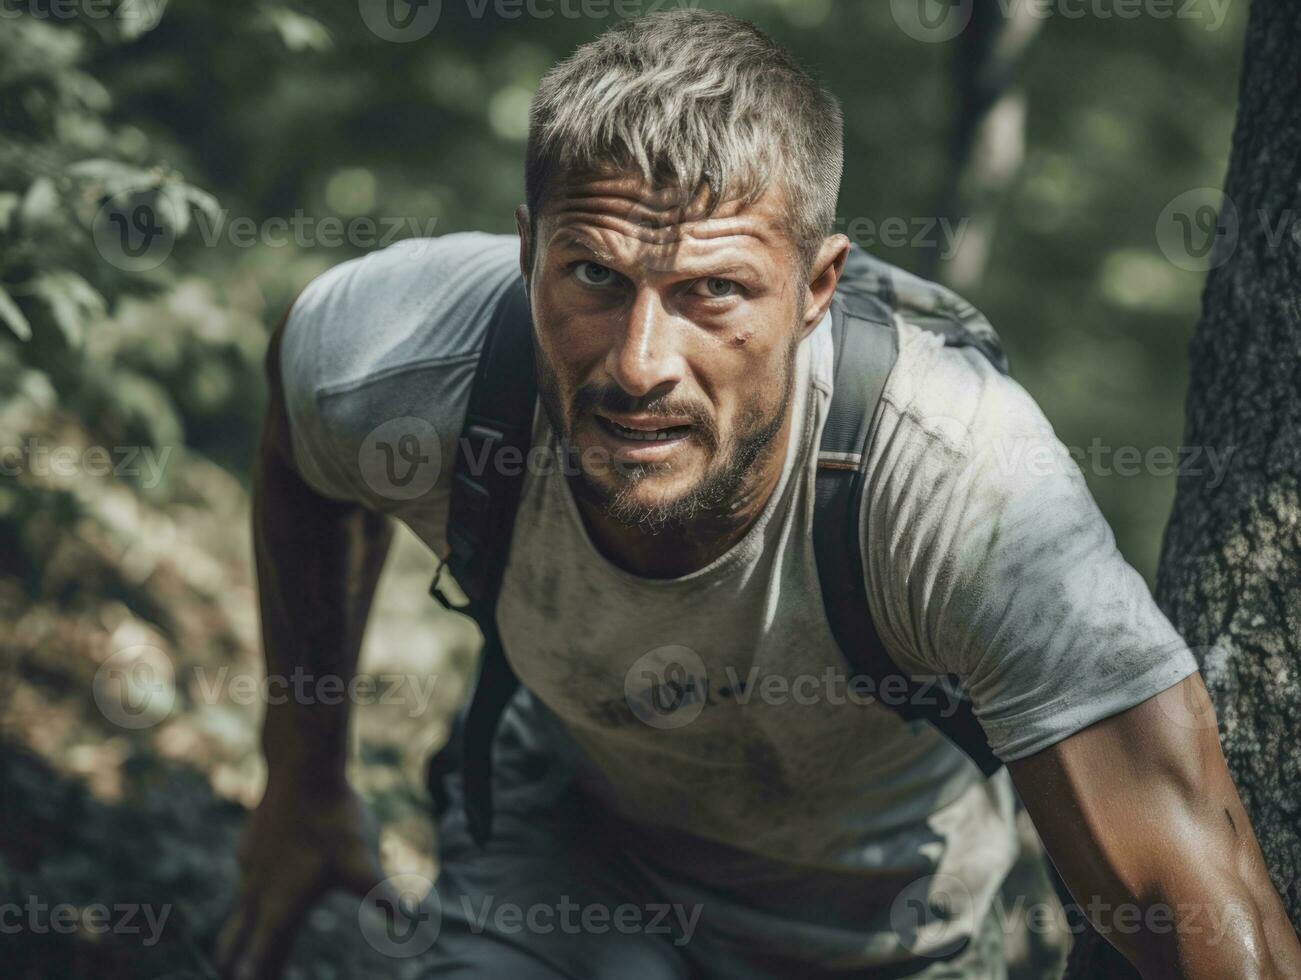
(721, 490)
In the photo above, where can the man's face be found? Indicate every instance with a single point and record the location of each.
(666, 342)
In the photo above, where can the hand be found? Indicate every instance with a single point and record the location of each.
(300, 842)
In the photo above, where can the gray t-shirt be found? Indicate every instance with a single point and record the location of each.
(798, 812)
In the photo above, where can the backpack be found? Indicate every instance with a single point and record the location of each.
(484, 500)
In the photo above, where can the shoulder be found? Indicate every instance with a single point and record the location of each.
(987, 557)
(952, 400)
(384, 347)
(964, 475)
(417, 300)
(961, 455)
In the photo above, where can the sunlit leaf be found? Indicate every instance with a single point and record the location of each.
(40, 204)
(298, 31)
(115, 177)
(202, 200)
(13, 316)
(136, 17)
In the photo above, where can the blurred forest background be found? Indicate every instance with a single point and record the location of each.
(274, 141)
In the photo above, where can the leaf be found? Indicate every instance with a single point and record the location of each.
(116, 181)
(40, 203)
(202, 200)
(8, 208)
(72, 301)
(137, 17)
(12, 315)
(176, 207)
(113, 174)
(298, 31)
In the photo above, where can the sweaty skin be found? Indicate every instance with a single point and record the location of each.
(1141, 817)
(657, 318)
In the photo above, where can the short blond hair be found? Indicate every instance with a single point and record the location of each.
(697, 101)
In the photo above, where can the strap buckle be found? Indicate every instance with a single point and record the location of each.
(439, 594)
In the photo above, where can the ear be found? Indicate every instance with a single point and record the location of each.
(824, 274)
(525, 242)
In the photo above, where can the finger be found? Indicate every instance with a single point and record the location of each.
(234, 932)
(270, 940)
(360, 872)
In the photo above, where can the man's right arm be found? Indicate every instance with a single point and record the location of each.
(318, 561)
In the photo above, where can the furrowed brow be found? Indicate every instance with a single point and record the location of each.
(583, 244)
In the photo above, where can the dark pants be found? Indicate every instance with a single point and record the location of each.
(548, 854)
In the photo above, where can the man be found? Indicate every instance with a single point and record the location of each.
(681, 183)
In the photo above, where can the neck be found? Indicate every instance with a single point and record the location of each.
(681, 549)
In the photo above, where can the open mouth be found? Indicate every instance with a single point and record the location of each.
(667, 433)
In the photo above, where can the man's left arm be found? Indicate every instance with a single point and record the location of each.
(991, 561)
(1142, 820)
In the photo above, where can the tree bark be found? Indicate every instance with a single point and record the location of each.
(1230, 572)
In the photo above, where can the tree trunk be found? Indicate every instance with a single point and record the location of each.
(1230, 573)
(988, 141)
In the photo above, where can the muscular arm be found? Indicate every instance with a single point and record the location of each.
(1141, 817)
(317, 565)
(318, 561)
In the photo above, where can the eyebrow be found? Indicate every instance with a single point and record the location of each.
(573, 240)
(605, 257)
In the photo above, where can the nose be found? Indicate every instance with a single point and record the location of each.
(646, 356)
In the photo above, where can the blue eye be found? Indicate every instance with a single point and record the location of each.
(594, 274)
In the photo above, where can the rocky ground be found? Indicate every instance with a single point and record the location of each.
(122, 804)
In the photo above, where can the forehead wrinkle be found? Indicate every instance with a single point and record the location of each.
(620, 204)
(753, 226)
(622, 197)
(717, 260)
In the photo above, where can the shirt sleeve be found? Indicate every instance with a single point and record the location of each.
(987, 557)
(377, 363)
(303, 365)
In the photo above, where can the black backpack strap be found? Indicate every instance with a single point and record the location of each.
(866, 347)
(486, 493)
(486, 487)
